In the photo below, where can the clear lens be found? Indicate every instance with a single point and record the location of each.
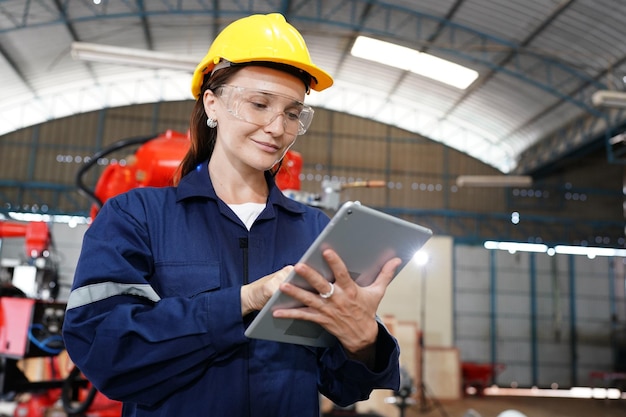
(262, 108)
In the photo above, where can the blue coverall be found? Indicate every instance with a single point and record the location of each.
(154, 316)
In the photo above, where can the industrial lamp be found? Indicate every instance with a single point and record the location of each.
(131, 57)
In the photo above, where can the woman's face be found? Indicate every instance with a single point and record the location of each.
(257, 114)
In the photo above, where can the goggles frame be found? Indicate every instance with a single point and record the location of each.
(259, 107)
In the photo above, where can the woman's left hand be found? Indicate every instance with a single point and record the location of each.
(350, 312)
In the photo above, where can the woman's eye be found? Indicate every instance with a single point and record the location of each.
(292, 115)
(259, 105)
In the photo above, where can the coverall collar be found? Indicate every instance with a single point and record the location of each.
(198, 184)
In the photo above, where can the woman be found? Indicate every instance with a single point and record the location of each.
(169, 278)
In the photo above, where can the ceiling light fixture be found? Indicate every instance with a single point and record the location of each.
(72, 221)
(589, 251)
(609, 98)
(131, 57)
(513, 247)
(414, 61)
(494, 181)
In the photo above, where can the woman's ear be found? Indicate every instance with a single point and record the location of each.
(209, 100)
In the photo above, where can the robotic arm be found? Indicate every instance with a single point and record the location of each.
(155, 161)
(37, 274)
(36, 235)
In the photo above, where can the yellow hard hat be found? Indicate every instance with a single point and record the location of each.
(260, 38)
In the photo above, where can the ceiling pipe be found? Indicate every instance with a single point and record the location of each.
(494, 181)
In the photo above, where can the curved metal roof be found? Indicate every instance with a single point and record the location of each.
(539, 61)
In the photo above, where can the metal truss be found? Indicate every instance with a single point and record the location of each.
(563, 81)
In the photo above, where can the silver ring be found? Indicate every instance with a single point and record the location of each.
(330, 292)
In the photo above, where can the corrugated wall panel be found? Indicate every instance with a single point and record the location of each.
(420, 175)
(543, 328)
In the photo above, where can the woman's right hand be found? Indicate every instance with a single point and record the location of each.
(257, 293)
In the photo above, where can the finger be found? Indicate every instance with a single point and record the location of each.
(340, 271)
(304, 313)
(314, 278)
(388, 272)
(308, 298)
(284, 272)
(331, 290)
(279, 277)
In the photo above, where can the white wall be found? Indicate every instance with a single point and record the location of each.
(404, 294)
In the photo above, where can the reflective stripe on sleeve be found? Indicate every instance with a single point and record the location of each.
(97, 292)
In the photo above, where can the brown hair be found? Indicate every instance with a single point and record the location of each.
(202, 137)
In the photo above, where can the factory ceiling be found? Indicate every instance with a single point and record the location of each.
(550, 73)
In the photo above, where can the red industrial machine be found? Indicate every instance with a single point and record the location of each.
(35, 273)
(157, 157)
(154, 164)
(30, 327)
(478, 376)
(35, 234)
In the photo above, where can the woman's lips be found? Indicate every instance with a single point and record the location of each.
(267, 147)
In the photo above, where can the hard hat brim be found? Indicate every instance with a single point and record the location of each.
(320, 81)
(260, 38)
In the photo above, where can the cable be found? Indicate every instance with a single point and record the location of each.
(44, 344)
(67, 392)
(94, 160)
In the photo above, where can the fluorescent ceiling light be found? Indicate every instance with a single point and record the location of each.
(72, 221)
(589, 251)
(609, 98)
(414, 61)
(494, 181)
(131, 57)
(574, 392)
(513, 247)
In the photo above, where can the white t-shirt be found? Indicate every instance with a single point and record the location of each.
(247, 212)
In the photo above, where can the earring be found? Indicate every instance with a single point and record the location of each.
(211, 122)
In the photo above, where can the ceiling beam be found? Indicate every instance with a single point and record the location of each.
(144, 25)
(17, 70)
(355, 33)
(74, 35)
(511, 54)
(579, 134)
(323, 12)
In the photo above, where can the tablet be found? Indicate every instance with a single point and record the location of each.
(365, 239)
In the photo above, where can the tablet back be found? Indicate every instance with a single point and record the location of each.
(365, 239)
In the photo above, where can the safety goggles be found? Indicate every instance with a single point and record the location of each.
(262, 108)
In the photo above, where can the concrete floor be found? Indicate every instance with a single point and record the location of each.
(489, 406)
